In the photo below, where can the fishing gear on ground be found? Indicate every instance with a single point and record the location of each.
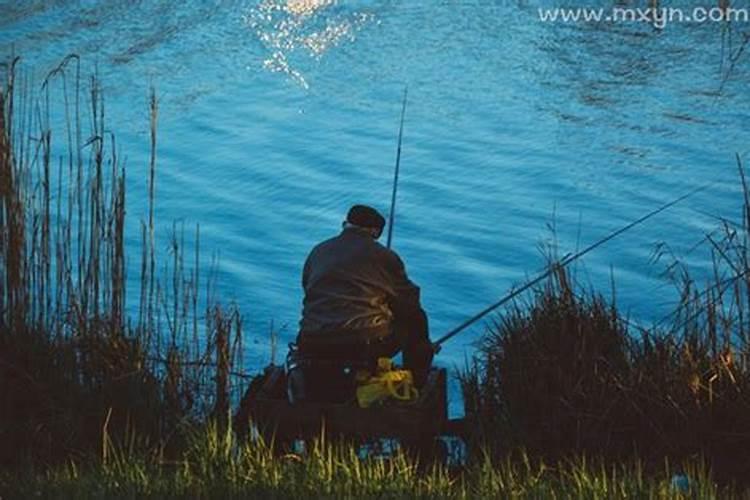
(387, 383)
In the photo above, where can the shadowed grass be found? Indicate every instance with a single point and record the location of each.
(561, 373)
(215, 465)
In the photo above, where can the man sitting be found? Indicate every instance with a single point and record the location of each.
(359, 305)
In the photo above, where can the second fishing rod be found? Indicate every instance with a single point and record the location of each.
(561, 264)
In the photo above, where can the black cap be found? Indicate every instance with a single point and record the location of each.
(364, 216)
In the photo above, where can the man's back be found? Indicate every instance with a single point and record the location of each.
(359, 306)
(352, 286)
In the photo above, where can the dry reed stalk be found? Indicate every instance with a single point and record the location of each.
(63, 277)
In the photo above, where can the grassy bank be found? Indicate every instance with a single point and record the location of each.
(214, 465)
(97, 402)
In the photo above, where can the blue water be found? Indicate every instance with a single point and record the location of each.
(276, 116)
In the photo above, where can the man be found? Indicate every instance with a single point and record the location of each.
(359, 305)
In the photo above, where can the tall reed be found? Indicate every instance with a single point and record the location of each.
(71, 358)
(562, 373)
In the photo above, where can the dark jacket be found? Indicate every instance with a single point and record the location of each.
(354, 287)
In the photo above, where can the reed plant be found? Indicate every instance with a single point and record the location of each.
(75, 357)
(561, 373)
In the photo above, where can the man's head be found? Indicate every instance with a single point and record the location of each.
(366, 218)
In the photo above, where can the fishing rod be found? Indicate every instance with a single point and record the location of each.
(395, 174)
(564, 262)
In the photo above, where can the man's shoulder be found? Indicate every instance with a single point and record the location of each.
(371, 247)
(386, 254)
(328, 241)
(332, 241)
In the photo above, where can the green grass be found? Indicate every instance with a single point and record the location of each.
(216, 465)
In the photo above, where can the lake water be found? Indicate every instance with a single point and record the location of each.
(276, 116)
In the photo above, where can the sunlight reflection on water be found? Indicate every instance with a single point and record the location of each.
(287, 26)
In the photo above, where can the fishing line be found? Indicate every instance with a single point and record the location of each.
(564, 262)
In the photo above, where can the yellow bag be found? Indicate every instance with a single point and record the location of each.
(386, 383)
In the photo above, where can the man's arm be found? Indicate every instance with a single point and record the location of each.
(405, 302)
(411, 323)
